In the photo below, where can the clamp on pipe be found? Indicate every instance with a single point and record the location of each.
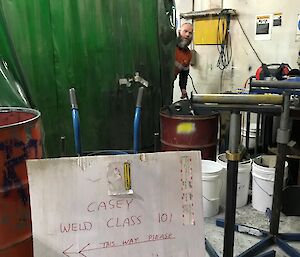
(233, 156)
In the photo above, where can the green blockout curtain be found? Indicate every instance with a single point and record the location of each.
(12, 93)
(53, 45)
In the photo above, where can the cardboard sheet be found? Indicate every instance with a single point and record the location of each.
(80, 207)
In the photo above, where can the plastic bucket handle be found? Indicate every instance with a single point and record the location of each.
(254, 179)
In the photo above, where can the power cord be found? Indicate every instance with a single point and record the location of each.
(224, 39)
(193, 84)
(224, 44)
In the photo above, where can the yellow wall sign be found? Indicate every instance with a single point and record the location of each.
(206, 29)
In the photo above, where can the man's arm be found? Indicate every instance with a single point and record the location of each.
(183, 77)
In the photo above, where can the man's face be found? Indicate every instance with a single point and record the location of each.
(185, 35)
(186, 31)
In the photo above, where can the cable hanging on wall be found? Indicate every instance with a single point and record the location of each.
(224, 39)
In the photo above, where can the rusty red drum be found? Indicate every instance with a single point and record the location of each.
(189, 132)
(20, 139)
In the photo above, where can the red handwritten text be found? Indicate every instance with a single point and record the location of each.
(155, 237)
(130, 241)
(92, 247)
(108, 244)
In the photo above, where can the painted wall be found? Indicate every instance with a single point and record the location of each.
(281, 48)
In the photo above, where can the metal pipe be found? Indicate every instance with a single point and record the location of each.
(73, 100)
(63, 146)
(284, 246)
(210, 250)
(234, 132)
(263, 132)
(274, 109)
(282, 140)
(284, 84)
(285, 116)
(231, 190)
(271, 253)
(237, 99)
(257, 134)
(258, 247)
(248, 117)
(156, 142)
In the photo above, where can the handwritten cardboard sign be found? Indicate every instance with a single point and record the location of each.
(146, 205)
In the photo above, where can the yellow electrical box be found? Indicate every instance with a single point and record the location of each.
(208, 29)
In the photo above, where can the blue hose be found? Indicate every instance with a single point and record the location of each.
(137, 121)
(136, 129)
(76, 122)
(76, 128)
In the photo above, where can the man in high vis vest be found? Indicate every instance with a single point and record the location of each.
(183, 56)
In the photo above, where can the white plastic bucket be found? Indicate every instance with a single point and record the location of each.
(244, 169)
(211, 184)
(263, 176)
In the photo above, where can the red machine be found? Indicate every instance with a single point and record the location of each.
(278, 71)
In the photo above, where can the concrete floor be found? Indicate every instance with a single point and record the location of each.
(248, 216)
